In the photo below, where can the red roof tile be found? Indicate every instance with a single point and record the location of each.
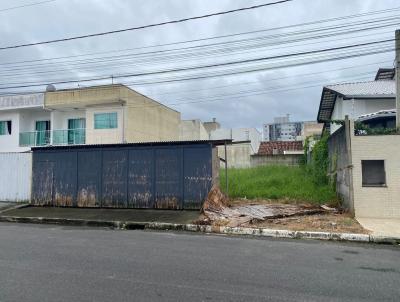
(267, 148)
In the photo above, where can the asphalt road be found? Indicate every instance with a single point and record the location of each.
(54, 263)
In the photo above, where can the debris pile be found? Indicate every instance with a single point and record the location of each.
(216, 209)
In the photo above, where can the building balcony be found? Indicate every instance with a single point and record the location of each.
(55, 137)
(34, 138)
(69, 137)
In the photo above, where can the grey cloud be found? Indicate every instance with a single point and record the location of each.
(73, 17)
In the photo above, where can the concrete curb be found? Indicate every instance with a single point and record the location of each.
(258, 232)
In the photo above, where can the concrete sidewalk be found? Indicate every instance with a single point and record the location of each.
(137, 215)
(381, 227)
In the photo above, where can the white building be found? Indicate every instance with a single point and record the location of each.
(357, 99)
(20, 117)
(283, 130)
(239, 135)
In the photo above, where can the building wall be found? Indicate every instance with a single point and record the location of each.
(105, 136)
(59, 119)
(312, 128)
(358, 107)
(377, 202)
(29, 117)
(10, 143)
(143, 118)
(15, 179)
(339, 166)
(238, 155)
(22, 120)
(192, 130)
(275, 160)
(239, 135)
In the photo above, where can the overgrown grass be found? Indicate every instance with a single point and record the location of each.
(277, 182)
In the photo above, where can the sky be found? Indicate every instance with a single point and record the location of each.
(242, 100)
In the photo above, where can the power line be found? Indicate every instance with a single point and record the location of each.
(222, 86)
(26, 5)
(215, 37)
(204, 76)
(147, 26)
(345, 55)
(242, 45)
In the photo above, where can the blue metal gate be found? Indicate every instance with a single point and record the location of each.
(158, 175)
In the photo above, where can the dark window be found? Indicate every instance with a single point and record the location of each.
(5, 127)
(373, 173)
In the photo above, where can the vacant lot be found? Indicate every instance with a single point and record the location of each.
(287, 184)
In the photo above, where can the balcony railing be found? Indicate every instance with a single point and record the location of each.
(55, 137)
(69, 137)
(34, 138)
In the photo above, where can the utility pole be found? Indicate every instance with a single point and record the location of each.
(397, 38)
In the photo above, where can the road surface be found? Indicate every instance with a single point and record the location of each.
(55, 263)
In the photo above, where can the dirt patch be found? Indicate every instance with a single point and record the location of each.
(335, 223)
(218, 210)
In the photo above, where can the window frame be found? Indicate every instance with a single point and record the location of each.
(376, 185)
(109, 121)
(7, 127)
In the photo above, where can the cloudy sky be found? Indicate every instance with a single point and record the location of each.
(248, 99)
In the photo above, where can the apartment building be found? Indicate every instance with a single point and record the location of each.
(93, 115)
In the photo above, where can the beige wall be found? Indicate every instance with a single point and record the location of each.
(104, 136)
(238, 155)
(312, 128)
(377, 202)
(192, 130)
(276, 160)
(140, 119)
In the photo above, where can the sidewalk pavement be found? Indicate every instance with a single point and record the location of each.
(167, 220)
(381, 227)
(102, 214)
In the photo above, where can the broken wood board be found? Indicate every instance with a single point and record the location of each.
(216, 209)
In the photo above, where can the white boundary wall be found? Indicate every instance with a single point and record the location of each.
(15, 176)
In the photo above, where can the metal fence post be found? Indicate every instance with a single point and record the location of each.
(226, 170)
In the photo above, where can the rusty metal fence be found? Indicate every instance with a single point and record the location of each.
(172, 176)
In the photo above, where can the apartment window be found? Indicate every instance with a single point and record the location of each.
(105, 120)
(373, 173)
(5, 127)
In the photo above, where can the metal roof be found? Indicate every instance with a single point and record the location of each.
(143, 144)
(359, 90)
(378, 114)
(371, 89)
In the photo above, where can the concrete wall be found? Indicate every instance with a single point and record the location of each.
(238, 155)
(15, 179)
(377, 202)
(141, 118)
(239, 134)
(192, 130)
(275, 160)
(22, 120)
(104, 136)
(10, 143)
(339, 166)
(59, 119)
